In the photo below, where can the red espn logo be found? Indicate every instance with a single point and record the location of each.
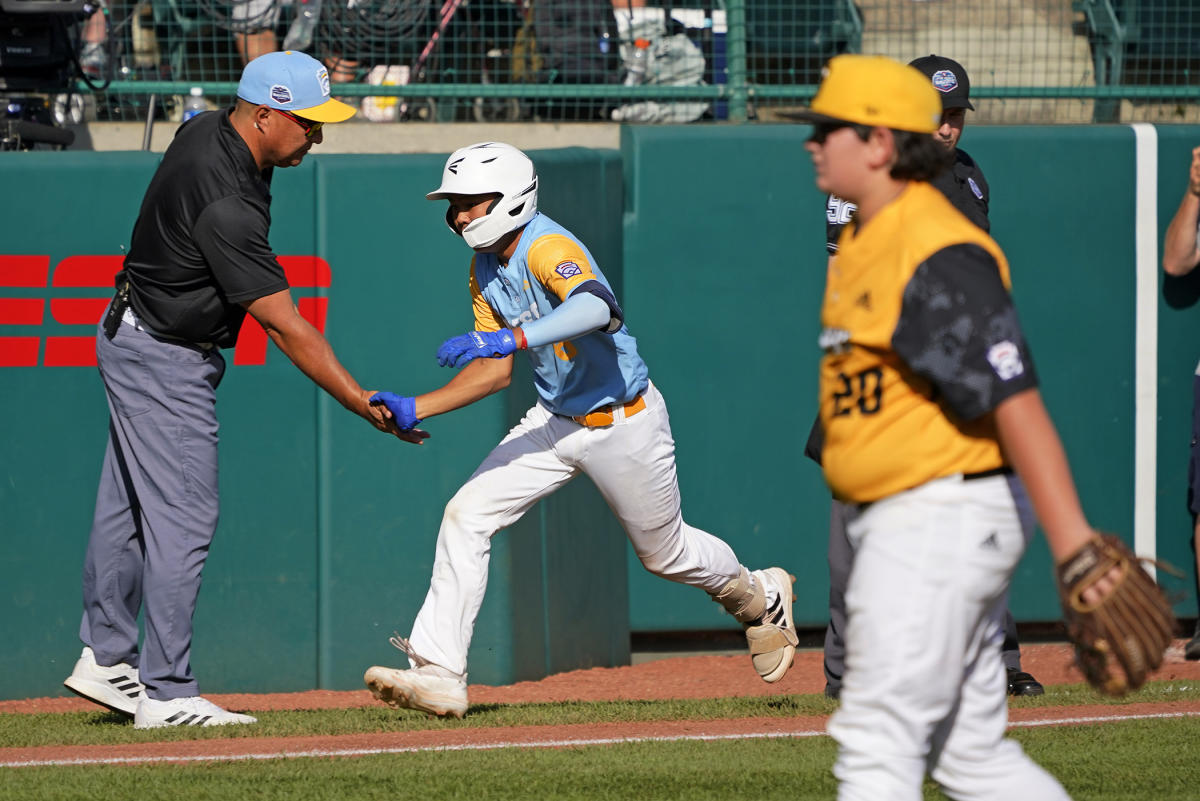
(33, 272)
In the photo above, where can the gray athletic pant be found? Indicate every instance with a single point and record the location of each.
(156, 506)
(841, 556)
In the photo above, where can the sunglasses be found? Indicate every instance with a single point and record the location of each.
(822, 130)
(310, 127)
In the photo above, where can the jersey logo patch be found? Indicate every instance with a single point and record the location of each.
(864, 300)
(281, 94)
(945, 81)
(1005, 359)
(975, 188)
(568, 269)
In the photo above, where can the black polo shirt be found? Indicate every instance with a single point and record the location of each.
(199, 246)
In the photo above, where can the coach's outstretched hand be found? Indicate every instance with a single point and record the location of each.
(457, 351)
(403, 409)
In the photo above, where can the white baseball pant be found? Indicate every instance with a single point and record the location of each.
(925, 688)
(632, 463)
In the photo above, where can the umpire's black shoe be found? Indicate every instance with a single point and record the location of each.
(832, 690)
(1192, 649)
(1021, 683)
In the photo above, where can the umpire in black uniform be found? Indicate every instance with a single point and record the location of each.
(199, 260)
(963, 184)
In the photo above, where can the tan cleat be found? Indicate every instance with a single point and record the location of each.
(423, 688)
(770, 632)
(773, 638)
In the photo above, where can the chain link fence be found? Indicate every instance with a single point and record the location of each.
(1029, 61)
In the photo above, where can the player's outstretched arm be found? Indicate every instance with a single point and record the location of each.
(476, 381)
(1181, 251)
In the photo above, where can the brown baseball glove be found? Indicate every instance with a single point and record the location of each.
(1121, 638)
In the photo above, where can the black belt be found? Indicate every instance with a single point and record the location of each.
(995, 471)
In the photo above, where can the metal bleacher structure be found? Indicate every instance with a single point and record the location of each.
(1030, 61)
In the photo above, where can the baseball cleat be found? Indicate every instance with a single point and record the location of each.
(116, 687)
(773, 638)
(191, 711)
(423, 688)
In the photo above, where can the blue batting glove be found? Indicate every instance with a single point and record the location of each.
(404, 410)
(457, 351)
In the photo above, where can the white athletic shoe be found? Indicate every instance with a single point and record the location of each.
(424, 688)
(773, 638)
(194, 710)
(115, 687)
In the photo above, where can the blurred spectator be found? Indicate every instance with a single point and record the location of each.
(253, 24)
(93, 55)
(572, 43)
(1181, 255)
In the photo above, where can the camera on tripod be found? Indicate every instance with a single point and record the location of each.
(37, 58)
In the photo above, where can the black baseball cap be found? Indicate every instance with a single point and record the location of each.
(949, 78)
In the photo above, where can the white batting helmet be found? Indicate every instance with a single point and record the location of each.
(483, 169)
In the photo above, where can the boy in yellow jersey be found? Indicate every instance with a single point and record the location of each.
(929, 403)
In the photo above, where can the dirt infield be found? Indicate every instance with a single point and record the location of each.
(679, 677)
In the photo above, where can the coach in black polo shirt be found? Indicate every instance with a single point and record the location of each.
(199, 261)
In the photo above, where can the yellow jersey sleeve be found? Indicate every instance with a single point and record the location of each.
(559, 264)
(486, 318)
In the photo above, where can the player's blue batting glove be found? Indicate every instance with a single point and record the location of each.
(404, 410)
(457, 351)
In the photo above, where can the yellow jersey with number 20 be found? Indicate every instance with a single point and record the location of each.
(887, 427)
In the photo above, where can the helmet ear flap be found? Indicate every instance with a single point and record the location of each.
(450, 219)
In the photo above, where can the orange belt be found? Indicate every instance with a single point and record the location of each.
(605, 415)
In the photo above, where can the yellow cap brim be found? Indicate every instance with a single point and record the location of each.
(330, 111)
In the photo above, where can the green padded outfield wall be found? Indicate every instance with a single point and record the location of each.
(327, 530)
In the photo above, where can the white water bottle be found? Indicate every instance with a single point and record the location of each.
(195, 103)
(636, 68)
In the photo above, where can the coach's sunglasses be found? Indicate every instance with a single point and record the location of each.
(310, 127)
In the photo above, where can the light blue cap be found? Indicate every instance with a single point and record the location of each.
(292, 81)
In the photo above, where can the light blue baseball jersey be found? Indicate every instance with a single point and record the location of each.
(572, 378)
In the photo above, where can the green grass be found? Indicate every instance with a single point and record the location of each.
(101, 728)
(1147, 759)
(1135, 760)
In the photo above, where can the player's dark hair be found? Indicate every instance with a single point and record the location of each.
(919, 157)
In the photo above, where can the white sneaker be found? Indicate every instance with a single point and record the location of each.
(191, 711)
(116, 687)
(425, 688)
(773, 637)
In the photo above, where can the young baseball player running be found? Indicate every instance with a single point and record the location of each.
(929, 402)
(536, 288)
